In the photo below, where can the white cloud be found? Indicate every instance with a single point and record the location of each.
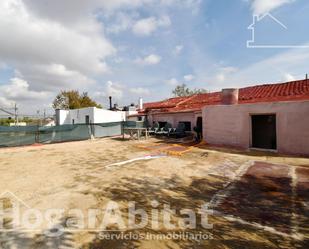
(189, 77)
(274, 69)
(190, 4)
(54, 45)
(147, 26)
(151, 59)
(220, 77)
(4, 103)
(263, 6)
(53, 77)
(178, 49)
(122, 22)
(225, 72)
(288, 77)
(34, 41)
(111, 88)
(139, 91)
(3, 65)
(172, 82)
(18, 90)
(118, 60)
(114, 89)
(118, 91)
(72, 11)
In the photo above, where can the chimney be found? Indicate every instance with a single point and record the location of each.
(141, 104)
(230, 96)
(110, 103)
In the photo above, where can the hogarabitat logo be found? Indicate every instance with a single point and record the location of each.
(16, 215)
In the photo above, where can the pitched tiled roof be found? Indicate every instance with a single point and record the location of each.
(169, 103)
(295, 90)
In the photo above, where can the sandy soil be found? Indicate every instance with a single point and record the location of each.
(77, 175)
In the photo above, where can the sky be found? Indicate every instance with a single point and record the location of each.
(144, 48)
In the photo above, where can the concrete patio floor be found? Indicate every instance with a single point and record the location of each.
(258, 200)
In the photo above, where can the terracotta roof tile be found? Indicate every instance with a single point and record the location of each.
(295, 90)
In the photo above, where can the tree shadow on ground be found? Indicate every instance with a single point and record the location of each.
(251, 199)
(22, 239)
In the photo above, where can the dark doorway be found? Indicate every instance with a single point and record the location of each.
(187, 125)
(162, 124)
(264, 132)
(199, 129)
(199, 125)
(87, 119)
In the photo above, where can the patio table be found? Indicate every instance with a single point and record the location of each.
(135, 131)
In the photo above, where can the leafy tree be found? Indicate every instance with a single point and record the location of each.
(73, 100)
(7, 121)
(86, 101)
(199, 91)
(183, 91)
(27, 120)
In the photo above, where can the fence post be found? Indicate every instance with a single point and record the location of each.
(122, 128)
(92, 130)
(37, 137)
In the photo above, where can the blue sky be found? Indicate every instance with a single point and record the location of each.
(144, 48)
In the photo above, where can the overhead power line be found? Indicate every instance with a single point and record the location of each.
(10, 113)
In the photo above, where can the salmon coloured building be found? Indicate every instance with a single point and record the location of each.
(268, 117)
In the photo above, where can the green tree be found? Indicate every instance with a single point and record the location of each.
(86, 101)
(6, 121)
(73, 100)
(183, 91)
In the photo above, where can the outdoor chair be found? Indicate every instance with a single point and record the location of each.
(165, 130)
(160, 131)
(171, 131)
(154, 128)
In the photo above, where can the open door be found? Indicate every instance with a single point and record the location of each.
(199, 125)
(87, 120)
(264, 132)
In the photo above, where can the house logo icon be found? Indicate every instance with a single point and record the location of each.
(258, 19)
(10, 206)
(13, 199)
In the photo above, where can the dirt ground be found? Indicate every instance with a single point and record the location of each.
(259, 200)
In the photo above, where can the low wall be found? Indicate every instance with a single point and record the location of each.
(27, 135)
(231, 125)
(96, 116)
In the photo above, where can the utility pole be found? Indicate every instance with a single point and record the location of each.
(39, 119)
(15, 114)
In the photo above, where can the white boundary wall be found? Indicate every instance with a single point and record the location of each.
(96, 116)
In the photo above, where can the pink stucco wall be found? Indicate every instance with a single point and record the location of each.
(175, 118)
(231, 125)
